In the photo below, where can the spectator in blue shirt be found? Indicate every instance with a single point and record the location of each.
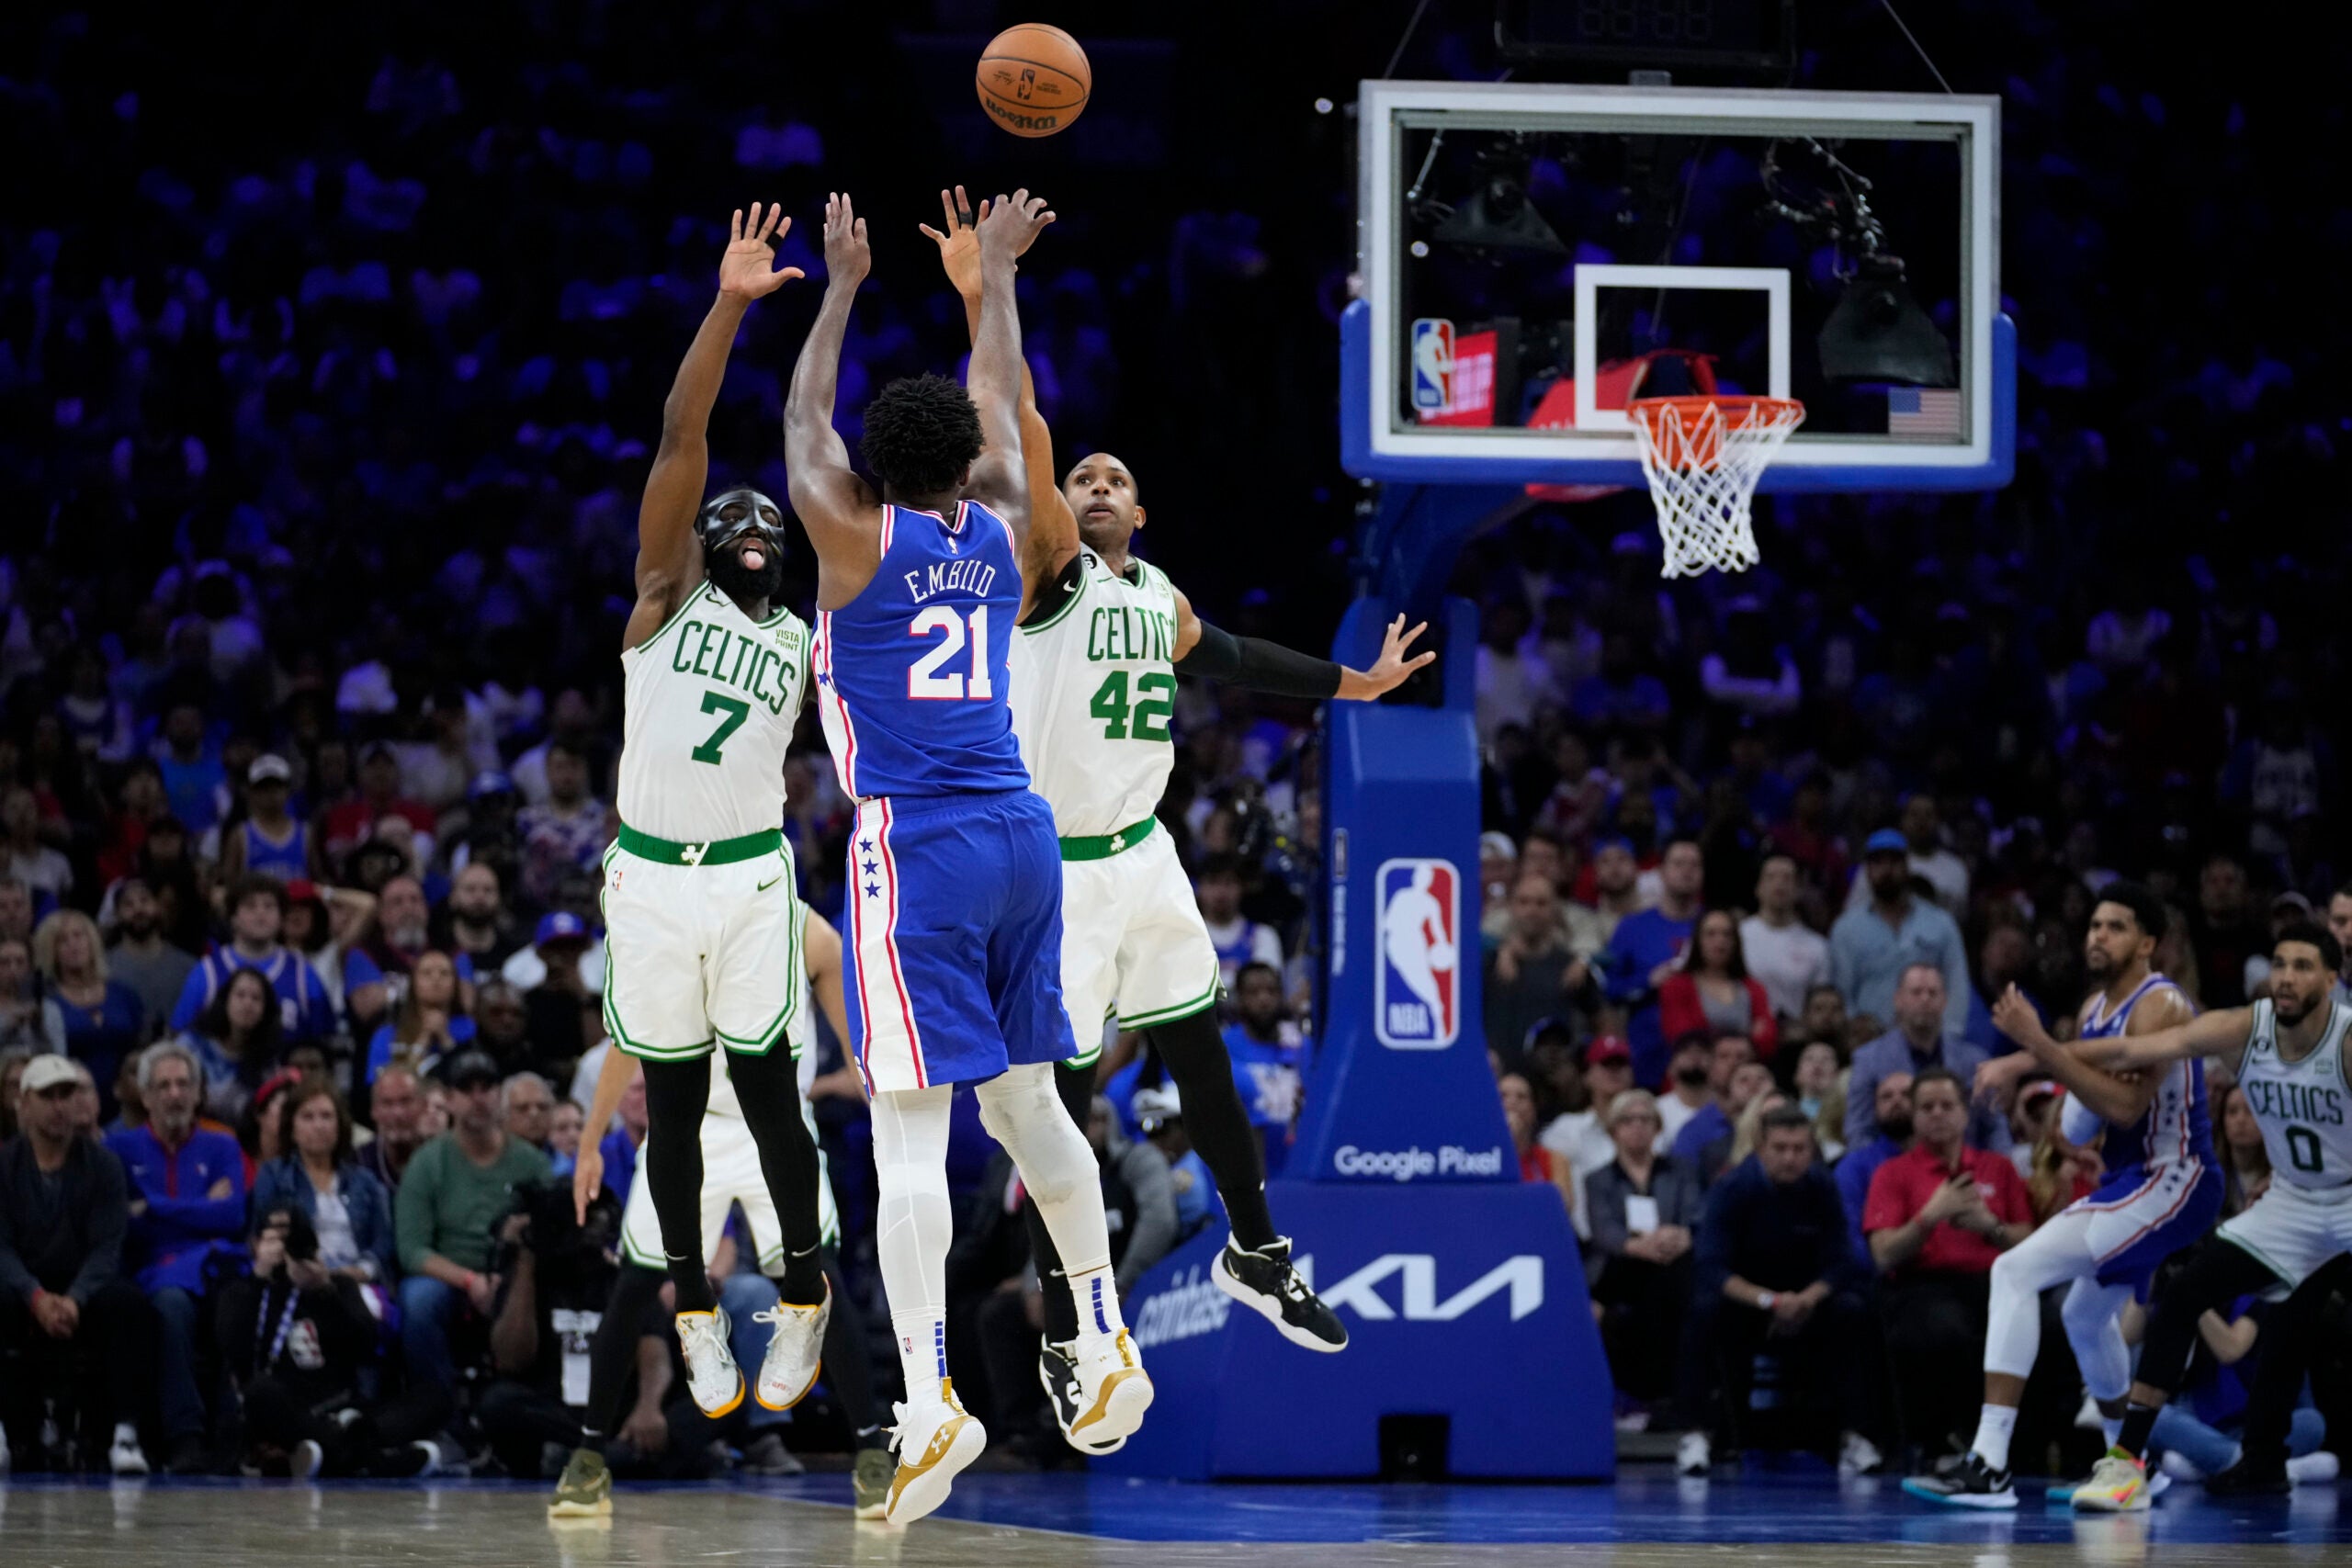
(1869, 947)
(187, 1204)
(256, 919)
(1738, 1078)
(194, 780)
(1265, 1049)
(1918, 1041)
(1647, 948)
(1891, 1114)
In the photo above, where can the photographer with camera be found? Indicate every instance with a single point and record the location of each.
(296, 1336)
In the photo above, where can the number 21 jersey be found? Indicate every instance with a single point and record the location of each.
(911, 675)
(1093, 686)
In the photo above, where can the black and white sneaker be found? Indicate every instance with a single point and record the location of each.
(1264, 1281)
(1065, 1391)
(1971, 1483)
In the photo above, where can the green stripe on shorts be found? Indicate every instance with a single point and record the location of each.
(1200, 1003)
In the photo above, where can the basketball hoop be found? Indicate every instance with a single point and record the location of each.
(1702, 456)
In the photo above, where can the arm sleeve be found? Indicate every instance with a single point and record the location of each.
(109, 1219)
(1259, 666)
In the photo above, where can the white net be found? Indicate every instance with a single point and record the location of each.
(1702, 456)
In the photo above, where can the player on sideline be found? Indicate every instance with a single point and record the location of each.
(2289, 1049)
(730, 1177)
(2162, 1190)
(1093, 682)
(699, 895)
(956, 883)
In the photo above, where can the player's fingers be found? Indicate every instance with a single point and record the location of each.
(736, 231)
(947, 207)
(1407, 640)
(783, 229)
(932, 234)
(776, 217)
(1420, 659)
(792, 272)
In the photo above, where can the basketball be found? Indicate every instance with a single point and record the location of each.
(1034, 79)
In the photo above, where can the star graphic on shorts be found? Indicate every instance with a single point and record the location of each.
(871, 868)
(866, 846)
(824, 680)
(873, 890)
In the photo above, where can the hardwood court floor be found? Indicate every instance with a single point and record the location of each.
(1645, 1520)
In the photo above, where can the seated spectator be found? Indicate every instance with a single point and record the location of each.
(502, 1025)
(1237, 940)
(1647, 948)
(1919, 1040)
(1265, 1048)
(141, 958)
(1824, 1018)
(1925, 856)
(372, 970)
(256, 923)
(566, 832)
(1642, 1207)
(1937, 1216)
(349, 1210)
(236, 1042)
(1786, 956)
(558, 1001)
(454, 1190)
(1775, 1273)
(351, 822)
(1712, 991)
(15, 909)
(1690, 1084)
(1536, 1163)
(564, 1127)
(620, 1147)
(1160, 1113)
(2245, 1158)
(25, 853)
(322, 924)
(67, 1310)
(1727, 1148)
(396, 1100)
(269, 842)
(30, 1016)
(103, 1017)
(1616, 892)
(1580, 1086)
(188, 1206)
(299, 1338)
(1531, 976)
(1726, 1053)
(430, 1023)
(1815, 1081)
(474, 920)
(1874, 944)
(527, 1107)
(1891, 1130)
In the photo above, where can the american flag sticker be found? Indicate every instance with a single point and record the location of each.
(1923, 414)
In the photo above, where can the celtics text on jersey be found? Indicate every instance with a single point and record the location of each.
(710, 703)
(2301, 1106)
(1093, 689)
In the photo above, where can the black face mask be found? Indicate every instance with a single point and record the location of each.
(1896, 1128)
(1693, 1074)
(723, 521)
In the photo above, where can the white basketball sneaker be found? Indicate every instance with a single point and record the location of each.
(712, 1376)
(795, 1346)
(1113, 1392)
(935, 1439)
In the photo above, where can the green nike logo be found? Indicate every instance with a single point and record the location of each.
(771, 881)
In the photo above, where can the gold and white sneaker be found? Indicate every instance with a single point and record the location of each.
(936, 1440)
(796, 1347)
(712, 1376)
(1113, 1392)
(2119, 1484)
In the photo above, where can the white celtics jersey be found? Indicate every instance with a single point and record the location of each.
(711, 701)
(2301, 1106)
(799, 1034)
(1093, 687)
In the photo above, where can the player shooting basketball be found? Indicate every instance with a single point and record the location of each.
(1103, 637)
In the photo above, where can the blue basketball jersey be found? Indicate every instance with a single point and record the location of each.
(911, 675)
(2177, 1126)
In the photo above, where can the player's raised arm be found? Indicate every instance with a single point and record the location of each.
(1053, 527)
(1000, 478)
(669, 557)
(833, 503)
(1261, 666)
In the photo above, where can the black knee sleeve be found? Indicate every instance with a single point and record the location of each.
(2219, 1274)
(676, 1095)
(769, 1089)
(612, 1354)
(1216, 1121)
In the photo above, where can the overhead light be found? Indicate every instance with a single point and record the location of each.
(1878, 333)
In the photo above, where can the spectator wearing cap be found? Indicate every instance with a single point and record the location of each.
(1784, 955)
(65, 1302)
(25, 852)
(565, 834)
(474, 922)
(456, 1189)
(256, 927)
(1531, 976)
(1159, 1115)
(1498, 871)
(322, 924)
(1871, 946)
(1937, 1217)
(1582, 1136)
(552, 974)
(271, 841)
(352, 822)
(30, 1016)
(186, 1182)
(1642, 1207)
(1924, 853)
(431, 1022)
(1647, 947)
(1713, 991)
(140, 958)
(1918, 1041)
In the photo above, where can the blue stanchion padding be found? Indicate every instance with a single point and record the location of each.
(1464, 1302)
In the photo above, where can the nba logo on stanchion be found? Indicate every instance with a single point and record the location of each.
(1416, 991)
(1432, 365)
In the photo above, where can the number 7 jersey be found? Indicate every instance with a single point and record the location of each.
(1093, 686)
(708, 706)
(912, 681)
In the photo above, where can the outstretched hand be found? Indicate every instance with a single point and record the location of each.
(847, 258)
(959, 244)
(747, 268)
(1007, 226)
(1389, 670)
(2015, 1017)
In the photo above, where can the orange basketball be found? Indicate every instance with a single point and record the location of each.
(1034, 79)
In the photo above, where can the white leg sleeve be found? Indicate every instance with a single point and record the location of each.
(2056, 1253)
(914, 1224)
(2094, 1327)
(1057, 1165)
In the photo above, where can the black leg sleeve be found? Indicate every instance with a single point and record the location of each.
(1075, 1087)
(676, 1095)
(612, 1355)
(849, 1364)
(2282, 1360)
(1217, 1123)
(2219, 1273)
(769, 1087)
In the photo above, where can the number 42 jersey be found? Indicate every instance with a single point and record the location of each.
(1093, 686)
(911, 675)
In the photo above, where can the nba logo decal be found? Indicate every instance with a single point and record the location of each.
(1417, 992)
(1432, 365)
